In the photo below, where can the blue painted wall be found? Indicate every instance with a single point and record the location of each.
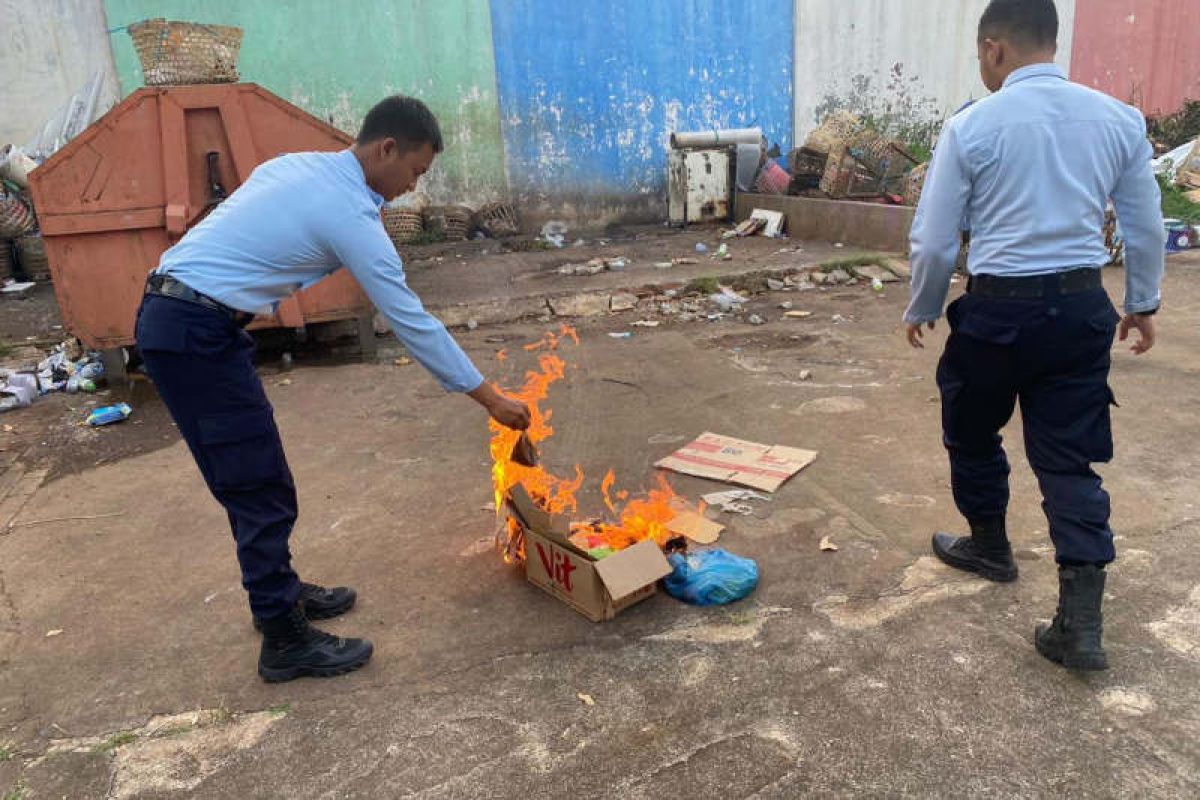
(590, 90)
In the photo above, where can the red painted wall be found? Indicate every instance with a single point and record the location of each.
(1145, 52)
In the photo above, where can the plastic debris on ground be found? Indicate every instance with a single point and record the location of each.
(67, 369)
(734, 501)
(710, 577)
(107, 415)
(554, 232)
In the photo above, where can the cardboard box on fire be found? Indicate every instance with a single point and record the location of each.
(597, 589)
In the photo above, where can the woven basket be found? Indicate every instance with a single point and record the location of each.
(6, 260)
(914, 184)
(403, 225)
(31, 251)
(174, 53)
(498, 220)
(16, 218)
(835, 131)
(450, 222)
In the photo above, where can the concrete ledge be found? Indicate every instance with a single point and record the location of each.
(870, 225)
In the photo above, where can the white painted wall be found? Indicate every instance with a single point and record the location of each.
(48, 50)
(840, 44)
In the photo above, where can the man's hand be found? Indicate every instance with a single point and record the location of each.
(508, 412)
(1145, 328)
(915, 334)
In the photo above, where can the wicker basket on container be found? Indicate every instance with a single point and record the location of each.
(449, 222)
(498, 220)
(31, 251)
(174, 53)
(403, 225)
(16, 218)
(835, 131)
(914, 183)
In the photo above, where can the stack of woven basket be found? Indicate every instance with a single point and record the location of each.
(175, 53)
(17, 221)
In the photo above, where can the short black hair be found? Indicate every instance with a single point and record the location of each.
(1028, 24)
(405, 119)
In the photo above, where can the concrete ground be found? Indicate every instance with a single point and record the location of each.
(127, 657)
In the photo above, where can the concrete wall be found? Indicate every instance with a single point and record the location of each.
(590, 90)
(336, 59)
(1144, 52)
(48, 50)
(910, 61)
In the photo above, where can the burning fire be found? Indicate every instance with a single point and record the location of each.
(642, 517)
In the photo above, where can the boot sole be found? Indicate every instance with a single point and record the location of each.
(270, 675)
(999, 576)
(1091, 664)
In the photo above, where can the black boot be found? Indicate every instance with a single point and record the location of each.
(292, 648)
(1073, 639)
(986, 551)
(322, 603)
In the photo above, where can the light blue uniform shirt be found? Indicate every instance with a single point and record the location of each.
(1033, 167)
(298, 218)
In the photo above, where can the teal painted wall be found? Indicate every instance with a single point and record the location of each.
(336, 58)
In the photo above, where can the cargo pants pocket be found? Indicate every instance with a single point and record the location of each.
(241, 449)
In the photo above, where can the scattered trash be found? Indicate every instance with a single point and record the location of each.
(733, 501)
(799, 315)
(877, 285)
(724, 458)
(745, 228)
(402, 361)
(593, 267)
(107, 415)
(838, 319)
(621, 335)
(805, 374)
(664, 264)
(726, 299)
(586, 699)
(52, 633)
(786, 305)
(838, 244)
(554, 232)
(755, 319)
(776, 285)
(827, 544)
(285, 382)
(617, 264)
(685, 260)
(14, 287)
(701, 247)
(772, 221)
(722, 251)
(472, 324)
(710, 577)
(647, 323)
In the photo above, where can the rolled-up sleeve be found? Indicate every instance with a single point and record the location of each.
(360, 243)
(1138, 202)
(934, 239)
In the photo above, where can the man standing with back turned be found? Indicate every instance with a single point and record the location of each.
(1034, 165)
(295, 220)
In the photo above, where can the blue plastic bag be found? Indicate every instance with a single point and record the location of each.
(710, 577)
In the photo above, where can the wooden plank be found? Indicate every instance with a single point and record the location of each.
(100, 221)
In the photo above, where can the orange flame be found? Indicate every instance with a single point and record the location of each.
(643, 517)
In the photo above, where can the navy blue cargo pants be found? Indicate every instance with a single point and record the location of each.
(202, 364)
(1053, 354)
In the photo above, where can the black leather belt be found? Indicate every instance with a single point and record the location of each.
(167, 286)
(1033, 286)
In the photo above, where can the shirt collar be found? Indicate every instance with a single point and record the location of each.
(351, 162)
(1034, 71)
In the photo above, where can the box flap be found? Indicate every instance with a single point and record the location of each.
(536, 519)
(631, 569)
(695, 526)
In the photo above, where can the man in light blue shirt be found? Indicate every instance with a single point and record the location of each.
(1033, 167)
(297, 218)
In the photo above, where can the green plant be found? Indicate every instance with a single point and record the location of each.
(6, 752)
(850, 262)
(116, 740)
(17, 792)
(5, 349)
(708, 285)
(280, 710)
(1175, 204)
